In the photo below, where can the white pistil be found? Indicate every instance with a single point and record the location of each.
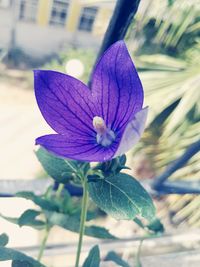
(104, 136)
(99, 125)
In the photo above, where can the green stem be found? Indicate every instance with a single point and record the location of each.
(83, 220)
(59, 190)
(138, 255)
(43, 244)
(47, 228)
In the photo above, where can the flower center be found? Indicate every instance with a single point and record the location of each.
(104, 136)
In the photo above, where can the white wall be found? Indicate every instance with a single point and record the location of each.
(40, 41)
(5, 27)
(45, 40)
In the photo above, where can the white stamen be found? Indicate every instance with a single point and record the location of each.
(99, 125)
(105, 136)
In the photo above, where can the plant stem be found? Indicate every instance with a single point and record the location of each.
(83, 219)
(137, 258)
(43, 244)
(47, 228)
(59, 190)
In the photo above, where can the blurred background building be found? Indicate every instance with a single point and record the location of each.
(41, 27)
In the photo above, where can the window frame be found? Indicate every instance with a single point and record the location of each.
(87, 18)
(30, 12)
(55, 5)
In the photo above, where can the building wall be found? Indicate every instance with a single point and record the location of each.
(43, 41)
(5, 27)
(40, 39)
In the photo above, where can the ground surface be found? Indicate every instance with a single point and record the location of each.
(21, 122)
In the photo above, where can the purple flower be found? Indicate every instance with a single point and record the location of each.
(97, 124)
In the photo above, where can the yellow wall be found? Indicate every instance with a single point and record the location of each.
(73, 15)
(44, 10)
(101, 21)
(100, 25)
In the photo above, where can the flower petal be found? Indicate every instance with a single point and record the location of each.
(65, 102)
(133, 132)
(77, 148)
(116, 87)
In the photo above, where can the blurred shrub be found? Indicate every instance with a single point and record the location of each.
(165, 41)
(18, 58)
(163, 28)
(86, 56)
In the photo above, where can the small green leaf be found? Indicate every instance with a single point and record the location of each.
(93, 259)
(72, 223)
(139, 223)
(56, 167)
(171, 2)
(39, 201)
(9, 219)
(98, 232)
(122, 197)
(29, 218)
(3, 240)
(112, 256)
(156, 226)
(91, 215)
(21, 264)
(35, 225)
(7, 254)
(65, 203)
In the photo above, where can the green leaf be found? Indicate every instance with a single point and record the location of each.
(156, 226)
(109, 168)
(3, 240)
(139, 223)
(72, 223)
(122, 197)
(29, 218)
(39, 201)
(91, 215)
(7, 254)
(21, 264)
(9, 219)
(65, 203)
(38, 225)
(112, 256)
(93, 259)
(98, 232)
(56, 167)
(171, 2)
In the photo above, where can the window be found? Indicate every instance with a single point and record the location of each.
(28, 10)
(59, 12)
(87, 18)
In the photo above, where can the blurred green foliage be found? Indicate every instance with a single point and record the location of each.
(86, 56)
(166, 49)
(167, 29)
(165, 43)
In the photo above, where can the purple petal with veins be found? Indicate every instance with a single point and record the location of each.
(94, 124)
(73, 147)
(117, 87)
